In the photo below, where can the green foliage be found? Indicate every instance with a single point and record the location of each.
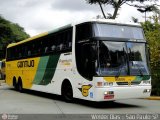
(10, 32)
(116, 4)
(152, 33)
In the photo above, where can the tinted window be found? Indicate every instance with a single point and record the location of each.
(54, 43)
(84, 50)
(118, 31)
(83, 31)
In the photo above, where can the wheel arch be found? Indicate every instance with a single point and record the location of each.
(65, 82)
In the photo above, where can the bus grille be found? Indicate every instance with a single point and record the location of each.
(126, 83)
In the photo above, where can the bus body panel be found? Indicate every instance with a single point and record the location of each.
(26, 69)
(46, 74)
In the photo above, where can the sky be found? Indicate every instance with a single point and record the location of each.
(37, 16)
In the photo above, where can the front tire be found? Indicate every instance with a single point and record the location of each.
(67, 92)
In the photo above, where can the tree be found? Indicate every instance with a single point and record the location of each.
(152, 33)
(10, 32)
(149, 8)
(116, 4)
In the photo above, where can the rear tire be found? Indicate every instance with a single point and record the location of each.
(15, 83)
(67, 91)
(20, 86)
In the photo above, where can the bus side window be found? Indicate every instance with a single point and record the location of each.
(66, 40)
(10, 53)
(53, 47)
(51, 42)
(61, 47)
(69, 44)
(41, 47)
(57, 42)
(38, 48)
(33, 49)
(29, 53)
(25, 51)
(29, 50)
(83, 31)
(16, 52)
(46, 49)
(20, 52)
(69, 39)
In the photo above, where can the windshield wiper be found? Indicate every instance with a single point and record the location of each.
(119, 72)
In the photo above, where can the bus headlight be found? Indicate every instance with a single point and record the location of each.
(147, 91)
(108, 92)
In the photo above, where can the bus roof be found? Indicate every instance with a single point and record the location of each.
(73, 24)
(110, 21)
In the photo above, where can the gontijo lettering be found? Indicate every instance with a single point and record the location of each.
(26, 63)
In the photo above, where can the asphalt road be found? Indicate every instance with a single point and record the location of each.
(31, 102)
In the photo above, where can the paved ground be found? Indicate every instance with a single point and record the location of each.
(1, 82)
(13, 102)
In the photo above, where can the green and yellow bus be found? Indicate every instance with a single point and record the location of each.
(95, 60)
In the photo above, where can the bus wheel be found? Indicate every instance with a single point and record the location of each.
(67, 91)
(20, 85)
(15, 83)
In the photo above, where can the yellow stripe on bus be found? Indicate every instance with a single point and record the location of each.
(120, 79)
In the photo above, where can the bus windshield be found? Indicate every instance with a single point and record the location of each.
(110, 50)
(121, 58)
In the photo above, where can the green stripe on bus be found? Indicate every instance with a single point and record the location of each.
(41, 70)
(140, 78)
(146, 77)
(50, 70)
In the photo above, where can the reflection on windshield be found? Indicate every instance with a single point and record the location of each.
(118, 31)
(121, 58)
(137, 59)
(112, 58)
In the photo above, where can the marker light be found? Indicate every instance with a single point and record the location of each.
(111, 84)
(99, 84)
(104, 84)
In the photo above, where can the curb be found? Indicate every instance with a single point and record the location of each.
(153, 98)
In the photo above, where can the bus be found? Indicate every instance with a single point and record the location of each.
(95, 60)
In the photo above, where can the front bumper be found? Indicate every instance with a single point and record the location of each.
(125, 92)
